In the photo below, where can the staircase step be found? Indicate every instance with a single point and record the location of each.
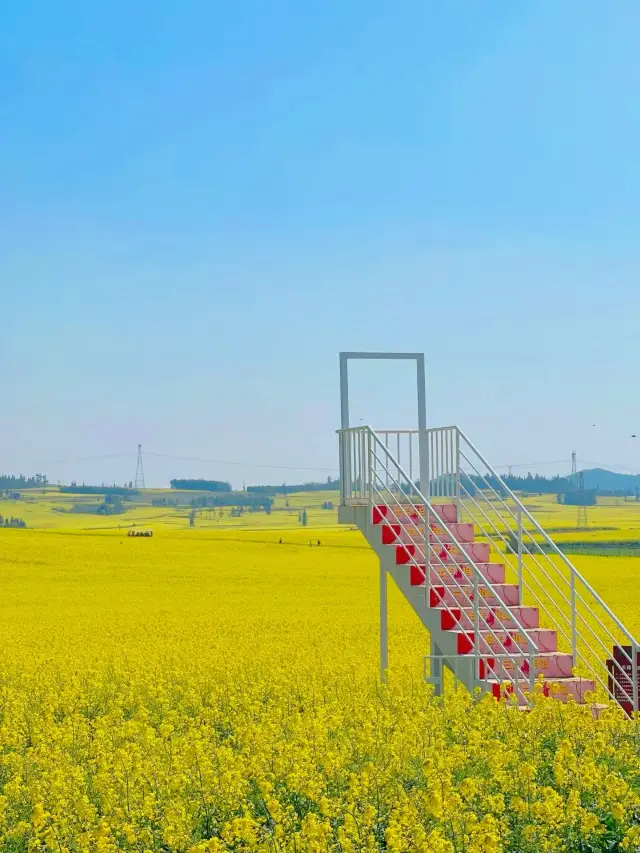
(456, 573)
(477, 551)
(438, 533)
(463, 617)
(501, 641)
(557, 688)
(548, 664)
(413, 514)
(499, 594)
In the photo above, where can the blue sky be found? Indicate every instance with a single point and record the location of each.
(202, 203)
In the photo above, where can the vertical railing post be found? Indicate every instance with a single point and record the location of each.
(348, 452)
(634, 674)
(369, 468)
(342, 466)
(574, 638)
(423, 446)
(476, 621)
(457, 451)
(520, 578)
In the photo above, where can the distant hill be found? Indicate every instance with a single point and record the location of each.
(608, 481)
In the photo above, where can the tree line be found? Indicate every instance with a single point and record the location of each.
(75, 489)
(235, 499)
(12, 522)
(286, 489)
(10, 482)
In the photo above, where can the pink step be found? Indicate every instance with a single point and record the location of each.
(544, 639)
(548, 664)
(477, 551)
(557, 688)
(415, 514)
(500, 594)
(455, 573)
(438, 534)
(501, 617)
(504, 642)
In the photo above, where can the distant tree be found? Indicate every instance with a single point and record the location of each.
(304, 518)
(192, 518)
(201, 485)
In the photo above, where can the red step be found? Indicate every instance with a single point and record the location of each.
(500, 594)
(557, 688)
(463, 617)
(438, 533)
(544, 639)
(406, 513)
(503, 642)
(456, 573)
(478, 552)
(548, 664)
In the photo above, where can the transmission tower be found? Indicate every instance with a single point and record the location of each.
(582, 521)
(139, 470)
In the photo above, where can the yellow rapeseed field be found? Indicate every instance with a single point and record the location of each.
(217, 691)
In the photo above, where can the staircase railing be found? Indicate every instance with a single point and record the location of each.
(458, 473)
(377, 479)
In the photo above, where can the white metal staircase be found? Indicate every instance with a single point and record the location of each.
(503, 606)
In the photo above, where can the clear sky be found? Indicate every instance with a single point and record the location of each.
(202, 203)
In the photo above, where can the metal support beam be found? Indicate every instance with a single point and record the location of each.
(384, 642)
(436, 667)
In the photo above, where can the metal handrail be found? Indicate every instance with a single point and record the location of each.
(526, 512)
(550, 541)
(574, 594)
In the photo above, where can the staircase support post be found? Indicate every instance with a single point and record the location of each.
(436, 667)
(384, 640)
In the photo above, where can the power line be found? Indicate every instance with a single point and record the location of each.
(533, 464)
(238, 464)
(184, 459)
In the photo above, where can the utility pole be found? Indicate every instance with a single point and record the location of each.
(582, 520)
